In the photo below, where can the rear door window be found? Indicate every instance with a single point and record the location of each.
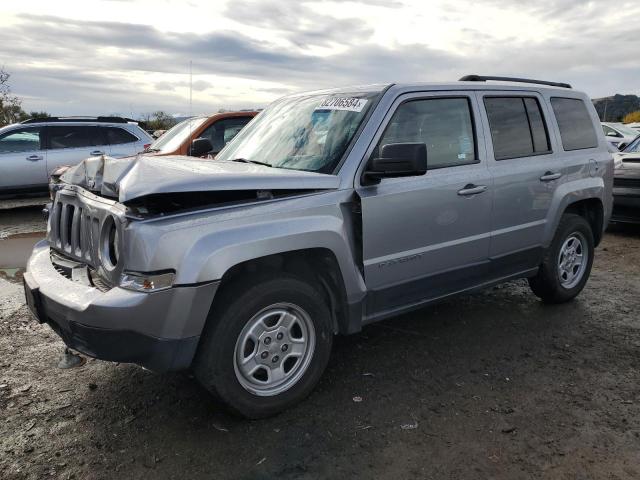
(117, 136)
(21, 140)
(74, 136)
(575, 124)
(517, 126)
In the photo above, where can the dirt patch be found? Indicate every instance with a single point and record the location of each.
(492, 385)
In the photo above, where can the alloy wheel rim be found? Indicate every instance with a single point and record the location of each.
(572, 260)
(274, 349)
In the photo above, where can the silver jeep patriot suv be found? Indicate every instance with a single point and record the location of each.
(329, 211)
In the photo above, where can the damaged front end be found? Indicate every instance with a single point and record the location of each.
(150, 186)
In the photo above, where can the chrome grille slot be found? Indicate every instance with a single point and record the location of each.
(75, 232)
(76, 223)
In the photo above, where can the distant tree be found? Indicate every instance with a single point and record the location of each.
(10, 105)
(632, 117)
(158, 120)
(42, 114)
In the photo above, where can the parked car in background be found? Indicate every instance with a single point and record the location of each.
(634, 125)
(626, 184)
(200, 136)
(244, 268)
(30, 151)
(619, 135)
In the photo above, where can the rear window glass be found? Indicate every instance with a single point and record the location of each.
(517, 127)
(73, 136)
(117, 136)
(574, 122)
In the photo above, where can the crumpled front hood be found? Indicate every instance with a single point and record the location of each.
(134, 177)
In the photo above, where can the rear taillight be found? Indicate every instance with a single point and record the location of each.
(147, 145)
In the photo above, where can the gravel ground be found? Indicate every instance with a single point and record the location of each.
(23, 202)
(491, 385)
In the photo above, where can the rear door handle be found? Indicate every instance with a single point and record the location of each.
(471, 189)
(34, 158)
(97, 153)
(550, 176)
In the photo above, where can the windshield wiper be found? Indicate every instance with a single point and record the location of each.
(256, 162)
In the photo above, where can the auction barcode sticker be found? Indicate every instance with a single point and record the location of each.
(350, 104)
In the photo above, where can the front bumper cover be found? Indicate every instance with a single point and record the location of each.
(159, 331)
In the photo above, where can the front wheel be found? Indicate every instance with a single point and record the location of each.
(566, 265)
(265, 345)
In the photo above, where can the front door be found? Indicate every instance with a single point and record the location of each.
(428, 236)
(22, 160)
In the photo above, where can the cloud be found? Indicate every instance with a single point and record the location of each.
(298, 23)
(106, 66)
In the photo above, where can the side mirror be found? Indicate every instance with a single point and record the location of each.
(200, 147)
(398, 160)
(622, 146)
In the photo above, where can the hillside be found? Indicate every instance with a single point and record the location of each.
(616, 106)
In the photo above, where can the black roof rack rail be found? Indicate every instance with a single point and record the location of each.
(482, 78)
(81, 119)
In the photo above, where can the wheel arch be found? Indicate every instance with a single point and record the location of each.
(592, 210)
(318, 265)
(582, 197)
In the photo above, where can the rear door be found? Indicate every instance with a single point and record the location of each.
(70, 144)
(427, 236)
(526, 172)
(22, 159)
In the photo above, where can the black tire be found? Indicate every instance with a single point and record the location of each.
(214, 365)
(547, 283)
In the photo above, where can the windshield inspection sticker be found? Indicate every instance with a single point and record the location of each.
(350, 104)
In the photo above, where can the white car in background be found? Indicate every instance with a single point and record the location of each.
(30, 151)
(619, 135)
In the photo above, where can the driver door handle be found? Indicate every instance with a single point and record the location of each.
(471, 189)
(550, 176)
(34, 158)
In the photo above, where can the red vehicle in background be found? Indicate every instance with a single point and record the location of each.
(200, 136)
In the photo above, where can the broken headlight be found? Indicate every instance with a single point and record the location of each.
(147, 282)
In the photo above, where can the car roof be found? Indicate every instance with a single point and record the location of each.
(447, 86)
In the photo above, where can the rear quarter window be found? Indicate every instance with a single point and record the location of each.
(575, 124)
(116, 136)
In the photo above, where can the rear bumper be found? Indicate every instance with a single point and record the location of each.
(159, 331)
(626, 205)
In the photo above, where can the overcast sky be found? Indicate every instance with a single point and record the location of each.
(131, 57)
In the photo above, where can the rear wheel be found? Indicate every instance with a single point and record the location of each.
(265, 345)
(566, 265)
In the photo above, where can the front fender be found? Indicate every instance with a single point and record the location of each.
(203, 246)
(213, 255)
